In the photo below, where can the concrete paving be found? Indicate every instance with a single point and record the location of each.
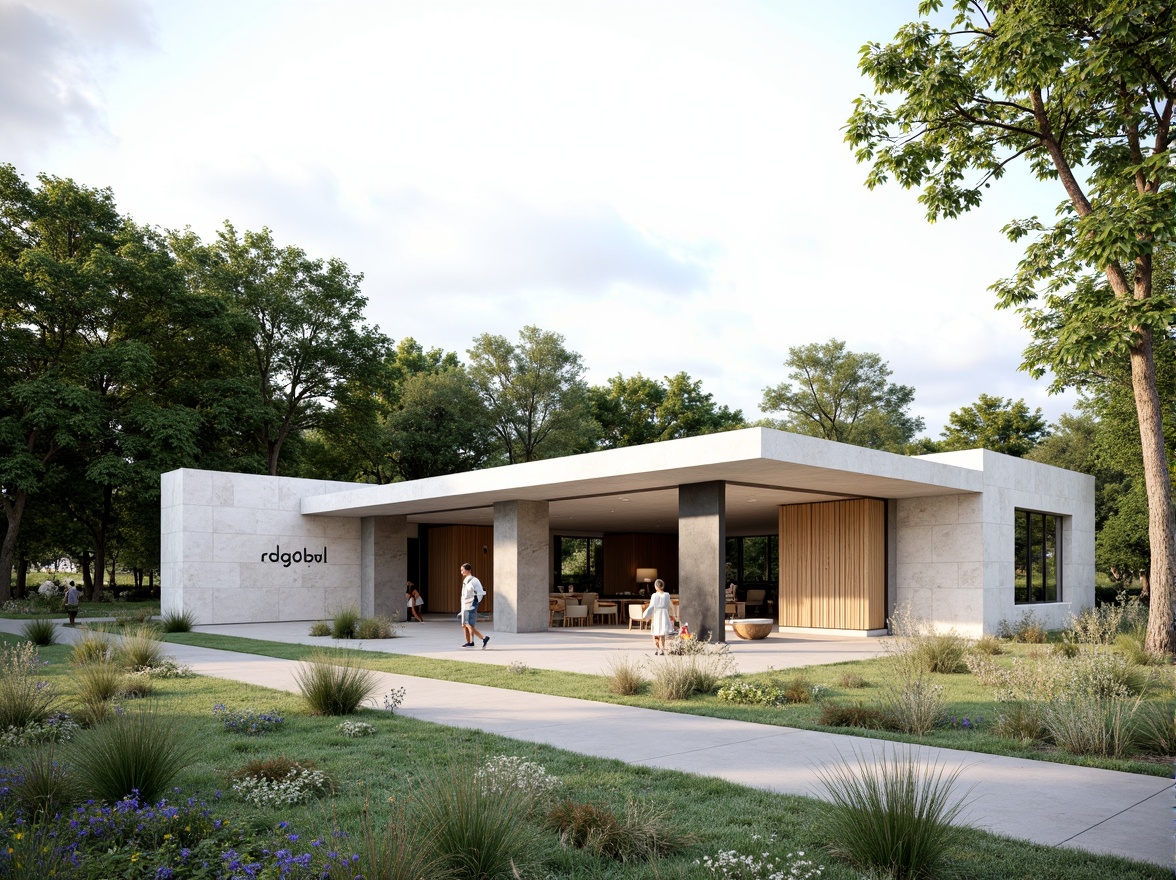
(1099, 811)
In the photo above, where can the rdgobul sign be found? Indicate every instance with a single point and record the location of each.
(294, 558)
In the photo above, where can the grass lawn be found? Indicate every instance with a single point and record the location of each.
(89, 610)
(377, 772)
(965, 697)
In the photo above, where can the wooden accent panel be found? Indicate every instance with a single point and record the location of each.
(449, 547)
(833, 564)
(624, 554)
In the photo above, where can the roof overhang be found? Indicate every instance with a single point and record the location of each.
(636, 488)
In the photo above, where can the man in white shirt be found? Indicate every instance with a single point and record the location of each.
(471, 594)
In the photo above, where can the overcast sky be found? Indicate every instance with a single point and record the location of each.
(664, 183)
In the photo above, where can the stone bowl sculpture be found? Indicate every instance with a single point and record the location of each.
(753, 627)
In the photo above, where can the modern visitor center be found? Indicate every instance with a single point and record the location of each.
(821, 536)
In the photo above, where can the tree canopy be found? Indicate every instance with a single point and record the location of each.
(995, 423)
(844, 396)
(634, 410)
(1082, 92)
(535, 393)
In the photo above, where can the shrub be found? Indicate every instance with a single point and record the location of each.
(517, 667)
(140, 647)
(249, 722)
(1154, 729)
(639, 836)
(333, 684)
(138, 751)
(355, 729)
(852, 680)
(132, 619)
(92, 647)
(751, 693)
(178, 621)
(508, 773)
(1102, 675)
(24, 698)
(855, 715)
(43, 785)
(41, 632)
(1102, 624)
(801, 690)
(1069, 650)
(1025, 629)
(1020, 722)
(893, 814)
(987, 645)
(344, 622)
(320, 628)
(379, 627)
(624, 676)
(691, 666)
(476, 832)
(1087, 724)
(58, 727)
(912, 703)
(137, 684)
(279, 782)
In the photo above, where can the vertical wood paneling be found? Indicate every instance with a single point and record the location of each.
(449, 547)
(625, 553)
(833, 564)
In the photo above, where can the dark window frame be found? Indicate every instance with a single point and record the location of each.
(1037, 557)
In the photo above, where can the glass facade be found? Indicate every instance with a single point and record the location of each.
(1038, 557)
(580, 562)
(754, 561)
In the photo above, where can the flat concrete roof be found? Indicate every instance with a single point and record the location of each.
(636, 488)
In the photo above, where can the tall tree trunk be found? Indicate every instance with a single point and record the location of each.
(22, 578)
(14, 508)
(1158, 482)
(87, 578)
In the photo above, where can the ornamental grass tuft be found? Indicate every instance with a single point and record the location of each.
(891, 814)
(332, 683)
(640, 835)
(177, 621)
(140, 647)
(41, 632)
(43, 785)
(99, 682)
(92, 647)
(138, 751)
(344, 623)
(624, 676)
(477, 832)
(399, 849)
(25, 698)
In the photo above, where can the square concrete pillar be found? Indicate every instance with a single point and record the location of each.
(383, 566)
(521, 538)
(702, 556)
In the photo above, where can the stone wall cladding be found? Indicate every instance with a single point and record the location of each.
(216, 527)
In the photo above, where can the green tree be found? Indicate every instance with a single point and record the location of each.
(843, 396)
(89, 304)
(535, 393)
(441, 427)
(997, 424)
(304, 334)
(1082, 91)
(636, 410)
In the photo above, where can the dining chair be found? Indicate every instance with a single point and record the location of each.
(755, 599)
(635, 612)
(606, 610)
(574, 613)
(555, 610)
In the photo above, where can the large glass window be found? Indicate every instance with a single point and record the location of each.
(753, 560)
(580, 562)
(1038, 568)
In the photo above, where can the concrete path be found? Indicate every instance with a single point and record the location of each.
(1100, 811)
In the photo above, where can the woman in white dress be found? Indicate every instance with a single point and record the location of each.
(658, 613)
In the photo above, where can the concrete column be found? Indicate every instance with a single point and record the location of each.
(521, 538)
(702, 556)
(383, 565)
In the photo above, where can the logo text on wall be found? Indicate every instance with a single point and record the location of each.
(296, 557)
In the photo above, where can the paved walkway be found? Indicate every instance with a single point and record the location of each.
(1099, 811)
